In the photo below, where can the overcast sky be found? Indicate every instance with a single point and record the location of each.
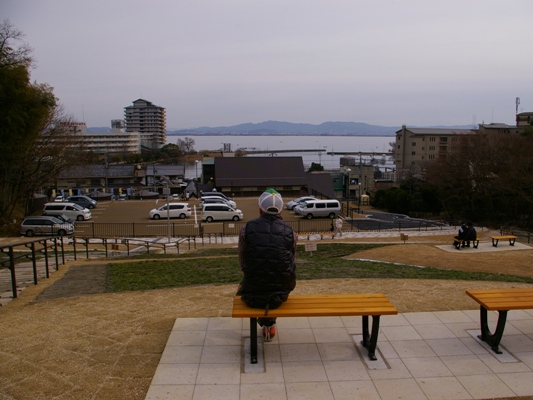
(225, 62)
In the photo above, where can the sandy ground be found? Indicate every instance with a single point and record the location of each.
(107, 346)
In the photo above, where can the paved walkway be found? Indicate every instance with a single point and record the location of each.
(430, 355)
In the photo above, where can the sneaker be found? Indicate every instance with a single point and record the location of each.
(269, 332)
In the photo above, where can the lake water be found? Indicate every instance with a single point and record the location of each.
(333, 144)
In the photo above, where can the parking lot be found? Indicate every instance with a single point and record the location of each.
(137, 211)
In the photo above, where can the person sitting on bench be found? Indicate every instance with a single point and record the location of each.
(461, 234)
(470, 234)
(267, 246)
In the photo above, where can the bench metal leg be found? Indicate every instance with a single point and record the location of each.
(370, 340)
(493, 340)
(253, 340)
(495, 242)
(475, 243)
(511, 242)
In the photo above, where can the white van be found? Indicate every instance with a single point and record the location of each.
(318, 208)
(177, 210)
(220, 212)
(71, 210)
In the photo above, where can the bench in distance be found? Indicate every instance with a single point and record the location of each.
(496, 239)
(458, 242)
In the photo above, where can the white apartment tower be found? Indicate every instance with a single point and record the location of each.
(147, 119)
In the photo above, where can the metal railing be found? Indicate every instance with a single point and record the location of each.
(232, 228)
(46, 249)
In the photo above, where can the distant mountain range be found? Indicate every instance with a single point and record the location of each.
(288, 128)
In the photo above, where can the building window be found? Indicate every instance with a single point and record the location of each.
(432, 139)
(398, 146)
(413, 153)
(413, 144)
(443, 140)
(431, 156)
(431, 147)
(442, 149)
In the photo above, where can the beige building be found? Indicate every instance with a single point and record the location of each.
(415, 147)
(149, 120)
(524, 119)
(116, 141)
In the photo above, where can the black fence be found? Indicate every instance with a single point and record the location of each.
(232, 228)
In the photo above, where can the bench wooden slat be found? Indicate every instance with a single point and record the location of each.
(503, 237)
(320, 305)
(505, 299)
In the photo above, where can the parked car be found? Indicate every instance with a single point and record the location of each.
(217, 200)
(45, 225)
(59, 198)
(293, 203)
(318, 208)
(72, 210)
(122, 197)
(61, 216)
(220, 212)
(177, 210)
(84, 201)
(216, 194)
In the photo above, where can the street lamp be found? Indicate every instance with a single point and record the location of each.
(196, 161)
(347, 188)
(359, 191)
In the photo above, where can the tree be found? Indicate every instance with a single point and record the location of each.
(186, 145)
(171, 151)
(36, 135)
(489, 177)
(315, 167)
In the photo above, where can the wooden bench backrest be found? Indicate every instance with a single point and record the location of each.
(321, 306)
(503, 299)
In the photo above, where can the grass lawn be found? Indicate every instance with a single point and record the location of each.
(221, 266)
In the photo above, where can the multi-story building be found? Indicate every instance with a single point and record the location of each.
(524, 119)
(498, 128)
(415, 147)
(115, 142)
(147, 119)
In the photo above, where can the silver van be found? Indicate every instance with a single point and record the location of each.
(318, 208)
(45, 225)
(71, 210)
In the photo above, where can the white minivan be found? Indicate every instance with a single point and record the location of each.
(318, 208)
(220, 212)
(71, 210)
(177, 210)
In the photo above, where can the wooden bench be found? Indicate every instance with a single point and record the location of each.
(495, 239)
(457, 243)
(322, 305)
(501, 300)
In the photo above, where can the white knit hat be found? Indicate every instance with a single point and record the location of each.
(271, 202)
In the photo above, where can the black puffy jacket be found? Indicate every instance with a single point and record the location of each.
(269, 268)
